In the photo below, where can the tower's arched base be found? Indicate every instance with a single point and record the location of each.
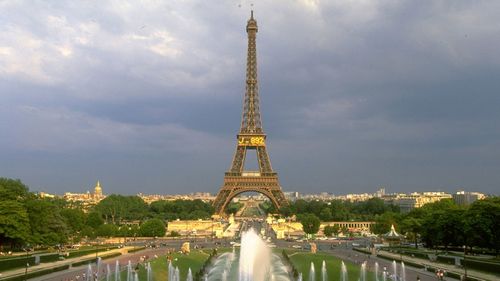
(235, 185)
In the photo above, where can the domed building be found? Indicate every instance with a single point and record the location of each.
(98, 191)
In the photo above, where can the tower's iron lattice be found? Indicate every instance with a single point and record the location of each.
(250, 137)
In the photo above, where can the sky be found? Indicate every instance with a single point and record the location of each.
(146, 96)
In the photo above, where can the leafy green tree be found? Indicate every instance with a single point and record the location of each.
(344, 230)
(331, 230)
(310, 223)
(233, 207)
(413, 226)
(325, 214)
(107, 230)
(340, 211)
(115, 208)
(112, 208)
(286, 211)
(74, 219)
(88, 232)
(12, 190)
(152, 228)
(47, 225)
(384, 221)
(180, 209)
(14, 222)
(94, 220)
(482, 220)
(442, 224)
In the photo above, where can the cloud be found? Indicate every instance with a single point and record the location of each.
(58, 130)
(371, 84)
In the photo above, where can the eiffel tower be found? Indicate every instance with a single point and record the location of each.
(250, 137)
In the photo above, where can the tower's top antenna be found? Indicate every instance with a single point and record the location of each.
(252, 23)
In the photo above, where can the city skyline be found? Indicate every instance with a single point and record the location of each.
(147, 98)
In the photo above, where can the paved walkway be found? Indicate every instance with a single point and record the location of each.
(446, 267)
(41, 266)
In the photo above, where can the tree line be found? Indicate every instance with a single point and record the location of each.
(439, 224)
(26, 218)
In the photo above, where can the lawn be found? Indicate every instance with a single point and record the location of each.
(160, 267)
(302, 261)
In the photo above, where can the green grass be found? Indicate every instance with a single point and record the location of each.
(302, 261)
(160, 267)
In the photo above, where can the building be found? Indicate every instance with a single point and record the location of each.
(98, 191)
(464, 198)
(87, 199)
(406, 203)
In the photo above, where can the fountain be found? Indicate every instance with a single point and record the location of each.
(149, 272)
(189, 276)
(255, 262)
(403, 271)
(136, 276)
(324, 274)
(108, 273)
(300, 277)
(394, 271)
(343, 272)
(177, 274)
(129, 271)
(312, 273)
(98, 268)
(363, 272)
(253, 249)
(117, 271)
(376, 271)
(224, 275)
(89, 276)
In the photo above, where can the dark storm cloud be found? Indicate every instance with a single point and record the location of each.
(147, 96)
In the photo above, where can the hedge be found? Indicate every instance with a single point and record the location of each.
(93, 260)
(19, 262)
(37, 273)
(49, 258)
(136, 250)
(89, 251)
(482, 265)
(362, 251)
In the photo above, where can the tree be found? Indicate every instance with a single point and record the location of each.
(74, 218)
(107, 230)
(384, 221)
(47, 225)
(325, 214)
(152, 228)
(482, 224)
(14, 222)
(413, 226)
(94, 220)
(180, 209)
(310, 223)
(286, 211)
(233, 207)
(12, 189)
(331, 230)
(442, 224)
(115, 208)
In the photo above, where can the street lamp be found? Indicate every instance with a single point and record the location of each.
(96, 250)
(27, 249)
(465, 265)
